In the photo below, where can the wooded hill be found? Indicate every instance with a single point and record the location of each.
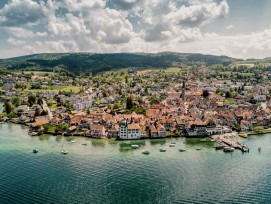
(95, 63)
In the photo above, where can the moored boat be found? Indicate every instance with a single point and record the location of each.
(172, 145)
(64, 152)
(35, 151)
(228, 149)
(182, 150)
(245, 149)
(163, 150)
(198, 149)
(135, 146)
(145, 151)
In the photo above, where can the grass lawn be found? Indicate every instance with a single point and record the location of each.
(56, 88)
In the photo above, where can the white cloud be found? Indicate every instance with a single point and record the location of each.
(229, 26)
(20, 12)
(125, 26)
(19, 32)
(15, 42)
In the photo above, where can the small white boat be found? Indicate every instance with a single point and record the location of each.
(145, 151)
(35, 151)
(163, 150)
(64, 152)
(182, 150)
(228, 149)
(73, 141)
(172, 145)
(135, 146)
(245, 149)
(198, 149)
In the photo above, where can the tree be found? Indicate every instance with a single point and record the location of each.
(205, 93)
(8, 107)
(129, 103)
(32, 99)
(227, 94)
(16, 101)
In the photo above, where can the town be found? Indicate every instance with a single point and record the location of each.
(134, 104)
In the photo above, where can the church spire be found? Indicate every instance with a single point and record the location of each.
(183, 92)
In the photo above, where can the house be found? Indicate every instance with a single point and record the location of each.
(157, 132)
(97, 131)
(130, 131)
(56, 121)
(246, 125)
(113, 132)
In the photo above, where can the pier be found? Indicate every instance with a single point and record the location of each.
(230, 139)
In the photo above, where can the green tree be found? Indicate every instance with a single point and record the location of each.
(129, 103)
(16, 101)
(8, 107)
(205, 93)
(32, 99)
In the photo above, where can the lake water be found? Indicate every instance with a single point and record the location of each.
(107, 171)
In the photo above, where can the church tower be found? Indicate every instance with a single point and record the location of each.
(183, 92)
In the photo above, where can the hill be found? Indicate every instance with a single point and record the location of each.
(95, 63)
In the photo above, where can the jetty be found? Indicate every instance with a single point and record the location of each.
(230, 139)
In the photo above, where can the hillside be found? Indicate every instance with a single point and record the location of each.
(95, 63)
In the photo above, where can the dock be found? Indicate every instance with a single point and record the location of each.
(230, 139)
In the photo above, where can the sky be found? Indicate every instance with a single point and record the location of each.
(236, 28)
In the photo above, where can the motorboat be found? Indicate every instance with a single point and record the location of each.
(73, 141)
(35, 151)
(259, 149)
(135, 146)
(228, 149)
(198, 149)
(245, 149)
(172, 145)
(84, 144)
(163, 150)
(182, 150)
(145, 151)
(64, 152)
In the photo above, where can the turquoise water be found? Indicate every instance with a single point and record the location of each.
(106, 171)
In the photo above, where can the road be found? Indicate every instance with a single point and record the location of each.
(45, 107)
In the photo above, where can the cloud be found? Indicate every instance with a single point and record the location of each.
(15, 42)
(19, 32)
(123, 26)
(20, 12)
(124, 4)
(229, 26)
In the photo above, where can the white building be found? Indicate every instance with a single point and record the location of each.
(130, 131)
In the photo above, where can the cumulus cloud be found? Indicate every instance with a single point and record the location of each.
(20, 12)
(123, 26)
(15, 42)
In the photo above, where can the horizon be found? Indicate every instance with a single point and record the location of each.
(234, 28)
(100, 53)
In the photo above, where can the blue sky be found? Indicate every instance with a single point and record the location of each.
(237, 28)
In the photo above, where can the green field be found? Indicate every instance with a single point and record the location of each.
(56, 88)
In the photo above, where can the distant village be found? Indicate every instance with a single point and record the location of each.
(134, 105)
